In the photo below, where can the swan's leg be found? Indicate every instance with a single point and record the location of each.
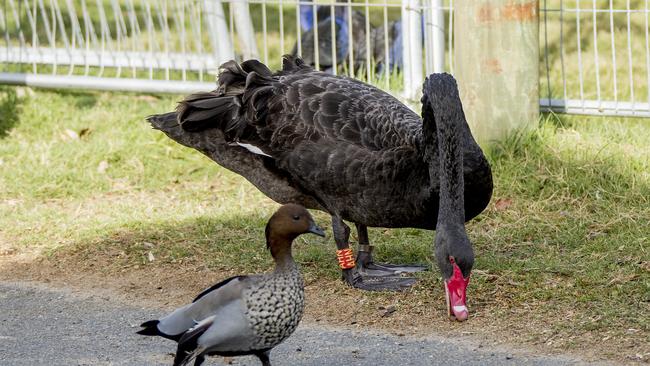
(367, 267)
(350, 274)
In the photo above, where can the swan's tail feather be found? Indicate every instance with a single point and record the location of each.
(163, 122)
(201, 111)
(239, 100)
(292, 63)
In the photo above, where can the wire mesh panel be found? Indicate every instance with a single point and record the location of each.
(596, 57)
(177, 45)
(595, 53)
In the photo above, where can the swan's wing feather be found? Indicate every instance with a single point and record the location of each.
(320, 107)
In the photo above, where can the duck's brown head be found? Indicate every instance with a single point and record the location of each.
(286, 224)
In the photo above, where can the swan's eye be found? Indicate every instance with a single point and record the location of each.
(296, 217)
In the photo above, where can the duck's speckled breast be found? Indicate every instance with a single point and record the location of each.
(275, 307)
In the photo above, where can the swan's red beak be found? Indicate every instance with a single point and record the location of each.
(456, 294)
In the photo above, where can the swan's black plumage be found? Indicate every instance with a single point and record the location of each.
(334, 143)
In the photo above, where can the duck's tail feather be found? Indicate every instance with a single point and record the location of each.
(150, 328)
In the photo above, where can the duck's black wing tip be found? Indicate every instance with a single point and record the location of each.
(188, 348)
(149, 328)
(216, 286)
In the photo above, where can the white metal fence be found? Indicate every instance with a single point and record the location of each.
(177, 45)
(595, 55)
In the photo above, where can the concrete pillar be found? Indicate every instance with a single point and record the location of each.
(497, 65)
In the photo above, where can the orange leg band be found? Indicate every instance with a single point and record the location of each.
(345, 258)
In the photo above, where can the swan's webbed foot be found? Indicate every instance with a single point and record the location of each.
(367, 267)
(388, 281)
(376, 283)
(387, 269)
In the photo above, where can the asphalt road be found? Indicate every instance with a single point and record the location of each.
(44, 326)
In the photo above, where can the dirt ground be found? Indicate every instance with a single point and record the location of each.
(328, 302)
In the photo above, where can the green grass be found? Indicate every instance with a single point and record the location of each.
(566, 246)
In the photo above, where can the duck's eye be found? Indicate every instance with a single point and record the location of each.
(296, 217)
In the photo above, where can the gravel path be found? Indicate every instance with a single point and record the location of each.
(44, 326)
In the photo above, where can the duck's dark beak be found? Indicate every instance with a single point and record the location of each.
(314, 229)
(456, 294)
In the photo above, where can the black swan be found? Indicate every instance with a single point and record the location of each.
(336, 144)
(244, 315)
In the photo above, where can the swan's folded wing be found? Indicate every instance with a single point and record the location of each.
(207, 303)
(314, 105)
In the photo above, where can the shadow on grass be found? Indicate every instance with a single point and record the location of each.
(10, 105)
(228, 243)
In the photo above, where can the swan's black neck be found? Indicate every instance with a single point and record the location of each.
(445, 113)
(452, 203)
(443, 117)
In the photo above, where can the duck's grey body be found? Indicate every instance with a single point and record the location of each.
(244, 314)
(247, 314)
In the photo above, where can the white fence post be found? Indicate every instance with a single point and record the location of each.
(438, 35)
(434, 36)
(218, 30)
(245, 31)
(412, 51)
